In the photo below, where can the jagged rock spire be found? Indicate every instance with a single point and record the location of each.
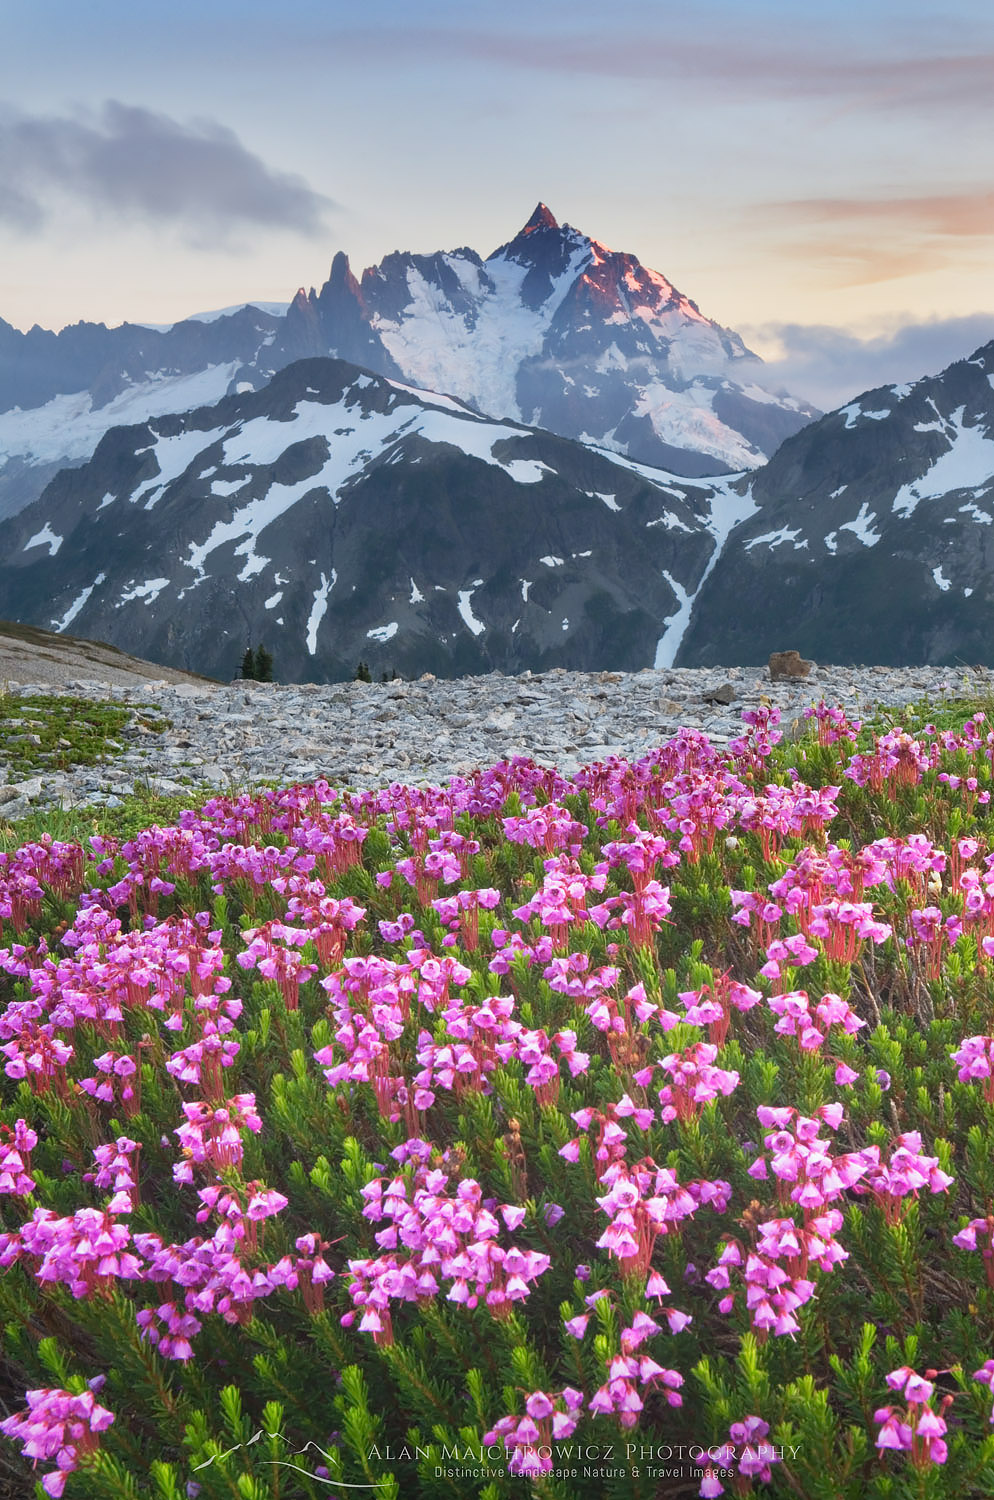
(542, 218)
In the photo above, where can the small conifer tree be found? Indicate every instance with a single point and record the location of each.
(263, 665)
(249, 665)
(362, 673)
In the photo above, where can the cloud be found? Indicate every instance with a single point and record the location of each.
(830, 366)
(952, 214)
(146, 166)
(745, 62)
(851, 261)
(873, 239)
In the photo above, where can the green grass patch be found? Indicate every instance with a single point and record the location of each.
(943, 713)
(56, 732)
(140, 810)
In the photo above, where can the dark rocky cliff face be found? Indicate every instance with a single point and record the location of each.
(873, 538)
(336, 516)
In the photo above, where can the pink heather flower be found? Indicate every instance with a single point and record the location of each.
(694, 1081)
(15, 1159)
(893, 1432)
(914, 1388)
(526, 1437)
(985, 1375)
(748, 1430)
(974, 1056)
(58, 1428)
(642, 1327)
(748, 1450)
(777, 1118)
(266, 1202)
(919, 1430)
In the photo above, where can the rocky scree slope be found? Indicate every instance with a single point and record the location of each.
(188, 739)
(30, 654)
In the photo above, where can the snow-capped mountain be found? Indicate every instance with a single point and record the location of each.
(552, 330)
(337, 515)
(60, 392)
(555, 330)
(872, 536)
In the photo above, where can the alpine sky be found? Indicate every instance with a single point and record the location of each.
(819, 180)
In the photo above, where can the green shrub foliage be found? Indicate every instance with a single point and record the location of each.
(627, 1135)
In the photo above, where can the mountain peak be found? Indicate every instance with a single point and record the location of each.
(542, 218)
(341, 277)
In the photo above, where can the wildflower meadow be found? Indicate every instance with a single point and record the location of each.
(628, 1134)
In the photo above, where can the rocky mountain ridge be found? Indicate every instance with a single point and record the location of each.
(871, 534)
(555, 330)
(336, 516)
(552, 330)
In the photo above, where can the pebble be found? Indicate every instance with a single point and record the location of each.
(364, 735)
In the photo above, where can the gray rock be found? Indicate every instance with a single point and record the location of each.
(32, 787)
(725, 692)
(226, 739)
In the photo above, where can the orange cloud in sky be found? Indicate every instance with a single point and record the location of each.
(953, 214)
(871, 240)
